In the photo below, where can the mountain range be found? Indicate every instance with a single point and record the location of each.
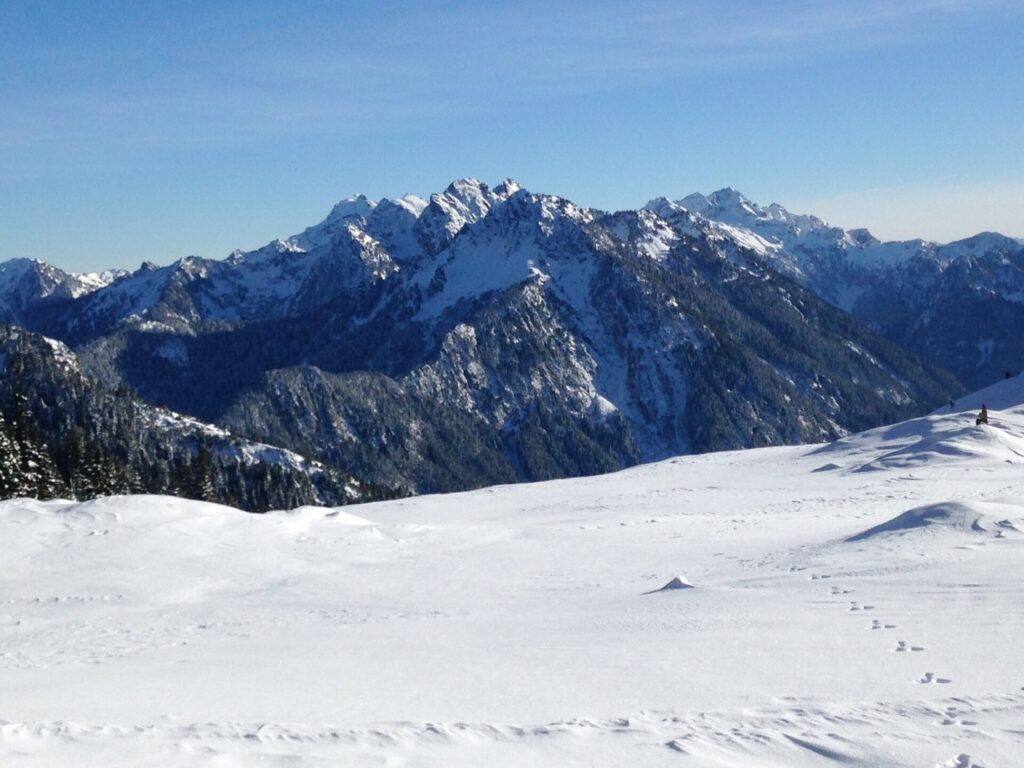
(958, 305)
(490, 334)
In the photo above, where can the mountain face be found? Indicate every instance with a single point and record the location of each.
(62, 435)
(27, 284)
(959, 305)
(493, 335)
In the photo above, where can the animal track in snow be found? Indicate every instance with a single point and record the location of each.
(902, 646)
(855, 606)
(952, 717)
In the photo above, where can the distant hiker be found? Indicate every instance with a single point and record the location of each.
(952, 404)
(982, 417)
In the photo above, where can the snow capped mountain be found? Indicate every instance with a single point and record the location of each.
(839, 265)
(463, 202)
(980, 245)
(557, 338)
(941, 301)
(541, 337)
(27, 283)
(730, 206)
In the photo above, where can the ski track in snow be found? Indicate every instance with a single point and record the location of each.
(837, 617)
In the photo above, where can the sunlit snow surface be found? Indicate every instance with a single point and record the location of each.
(524, 626)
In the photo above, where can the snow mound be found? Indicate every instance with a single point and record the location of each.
(964, 443)
(959, 516)
(677, 582)
(929, 440)
(72, 515)
(826, 467)
(334, 514)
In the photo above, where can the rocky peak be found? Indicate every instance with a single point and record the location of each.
(358, 205)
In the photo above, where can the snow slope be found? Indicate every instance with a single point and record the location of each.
(845, 610)
(1007, 393)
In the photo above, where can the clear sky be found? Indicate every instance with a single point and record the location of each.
(134, 131)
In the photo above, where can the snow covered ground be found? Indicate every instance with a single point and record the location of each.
(857, 604)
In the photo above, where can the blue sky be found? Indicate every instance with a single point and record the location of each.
(134, 131)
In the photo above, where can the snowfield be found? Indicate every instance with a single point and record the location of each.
(855, 604)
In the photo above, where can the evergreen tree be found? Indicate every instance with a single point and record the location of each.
(39, 476)
(74, 459)
(10, 463)
(199, 484)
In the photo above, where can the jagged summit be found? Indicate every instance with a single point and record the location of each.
(732, 207)
(725, 198)
(354, 205)
(507, 188)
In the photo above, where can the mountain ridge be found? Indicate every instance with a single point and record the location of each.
(561, 339)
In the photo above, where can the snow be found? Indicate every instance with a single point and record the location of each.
(746, 239)
(1004, 394)
(25, 280)
(354, 206)
(676, 582)
(981, 243)
(657, 238)
(856, 603)
(249, 452)
(963, 517)
(64, 356)
(131, 298)
(500, 253)
(87, 282)
(310, 514)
